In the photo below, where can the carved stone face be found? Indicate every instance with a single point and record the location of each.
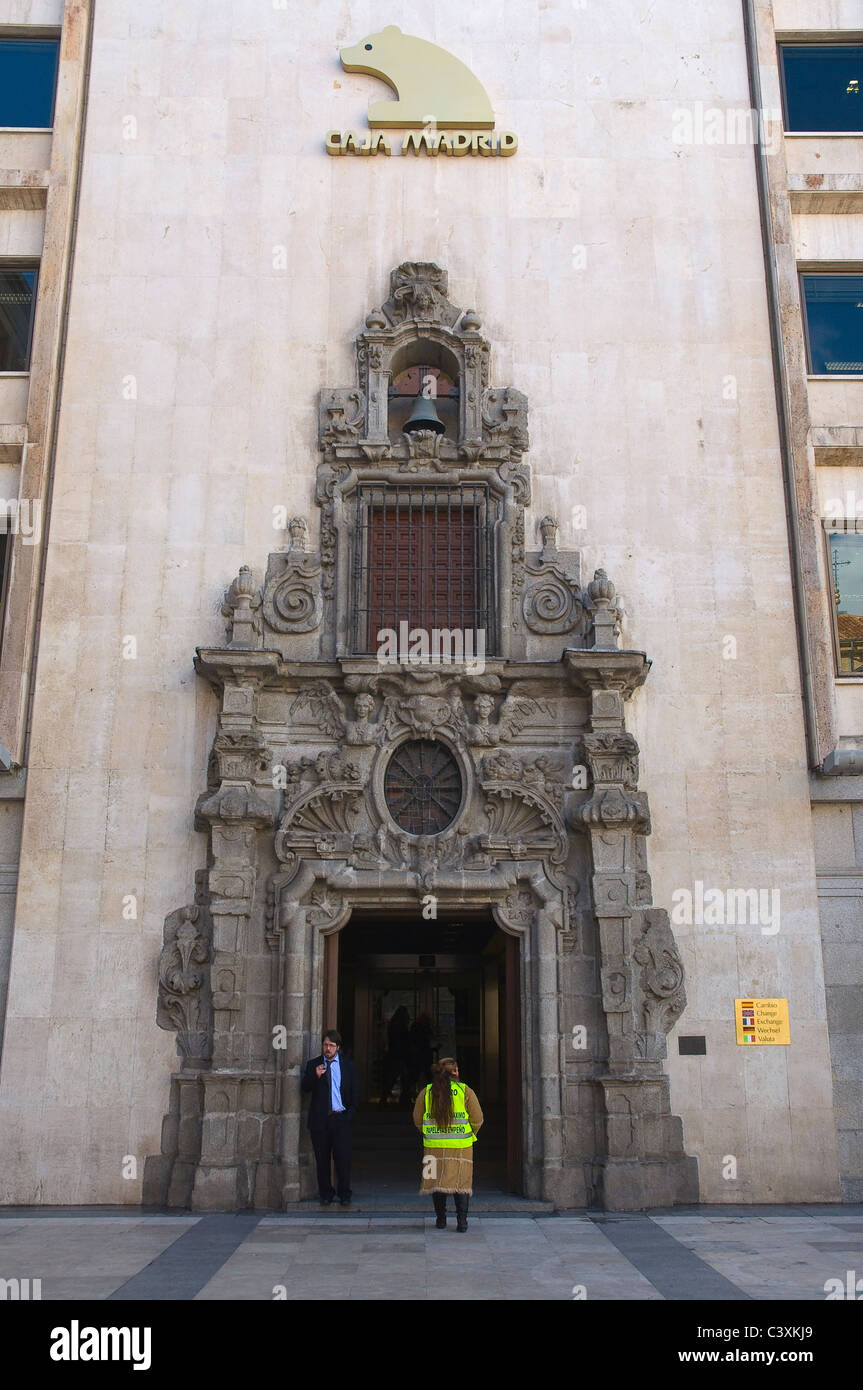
(484, 705)
(363, 706)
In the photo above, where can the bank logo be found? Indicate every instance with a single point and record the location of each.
(431, 84)
(439, 101)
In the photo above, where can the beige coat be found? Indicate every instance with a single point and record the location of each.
(452, 1170)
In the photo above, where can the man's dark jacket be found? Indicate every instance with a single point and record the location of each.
(320, 1087)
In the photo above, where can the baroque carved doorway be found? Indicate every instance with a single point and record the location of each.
(480, 766)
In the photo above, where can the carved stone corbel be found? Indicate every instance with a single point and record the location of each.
(660, 996)
(184, 1004)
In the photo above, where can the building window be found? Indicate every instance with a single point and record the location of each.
(17, 308)
(28, 82)
(821, 85)
(845, 556)
(423, 556)
(833, 311)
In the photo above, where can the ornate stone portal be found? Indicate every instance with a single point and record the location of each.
(340, 780)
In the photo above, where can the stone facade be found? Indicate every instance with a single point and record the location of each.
(169, 891)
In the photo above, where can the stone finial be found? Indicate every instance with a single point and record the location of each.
(298, 532)
(242, 601)
(548, 531)
(470, 322)
(601, 593)
(375, 321)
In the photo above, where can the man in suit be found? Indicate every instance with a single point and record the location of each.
(331, 1080)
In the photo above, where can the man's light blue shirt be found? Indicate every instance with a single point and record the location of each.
(336, 1084)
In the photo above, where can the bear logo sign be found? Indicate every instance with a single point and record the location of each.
(433, 87)
(440, 104)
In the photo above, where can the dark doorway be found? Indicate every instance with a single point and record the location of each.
(406, 992)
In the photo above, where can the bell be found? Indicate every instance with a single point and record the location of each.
(424, 417)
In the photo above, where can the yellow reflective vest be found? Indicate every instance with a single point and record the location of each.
(459, 1135)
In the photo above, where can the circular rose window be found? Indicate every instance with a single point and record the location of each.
(422, 787)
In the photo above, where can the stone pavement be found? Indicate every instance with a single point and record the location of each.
(712, 1253)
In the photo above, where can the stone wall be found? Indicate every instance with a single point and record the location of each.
(224, 264)
(838, 819)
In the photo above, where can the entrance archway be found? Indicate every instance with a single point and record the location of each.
(404, 991)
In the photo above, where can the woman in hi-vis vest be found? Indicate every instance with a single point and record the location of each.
(449, 1115)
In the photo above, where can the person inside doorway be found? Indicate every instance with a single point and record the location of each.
(331, 1081)
(420, 1053)
(449, 1115)
(395, 1062)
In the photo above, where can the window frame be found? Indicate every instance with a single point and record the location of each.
(33, 33)
(835, 268)
(854, 40)
(27, 263)
(829, 526)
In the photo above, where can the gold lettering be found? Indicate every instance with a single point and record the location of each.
(456, 143)
(418, 140)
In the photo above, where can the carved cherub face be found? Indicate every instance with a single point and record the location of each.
(363, 706)
(483, 704)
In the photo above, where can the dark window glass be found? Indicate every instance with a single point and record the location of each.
(28, 79)
(17, 305)
(846, 571)
(822, 85)
(834, 322)
(17, 302)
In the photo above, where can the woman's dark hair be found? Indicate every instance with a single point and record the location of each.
(333, 1036)
(441, 1092)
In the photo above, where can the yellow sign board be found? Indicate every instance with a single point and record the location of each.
(762, 1021)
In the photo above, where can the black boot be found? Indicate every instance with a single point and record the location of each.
(461, 1203)
(439, 1199)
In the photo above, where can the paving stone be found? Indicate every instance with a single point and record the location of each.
(532, 1258)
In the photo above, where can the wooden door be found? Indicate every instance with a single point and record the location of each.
(514, 1165)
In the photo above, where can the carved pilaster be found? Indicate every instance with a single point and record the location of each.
(640, 967)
